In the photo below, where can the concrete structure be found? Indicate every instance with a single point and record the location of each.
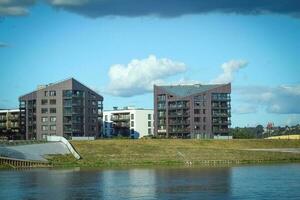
(66, 108)
(9, 124)
(128, 122)
(192, 111)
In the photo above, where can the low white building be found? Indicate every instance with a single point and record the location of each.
(128, 122)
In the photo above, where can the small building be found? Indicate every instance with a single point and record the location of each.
(128, 122)
(192, 111)
(9, 124)
(66, 108)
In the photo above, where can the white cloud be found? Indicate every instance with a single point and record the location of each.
(139, 76)
(15, 7)
(68, 2)
(282, 99)
(229, 68)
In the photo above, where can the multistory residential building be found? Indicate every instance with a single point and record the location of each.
(192, 111)
(9, 124)
(66, 108)
(128, 122)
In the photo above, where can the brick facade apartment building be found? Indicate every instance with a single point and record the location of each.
(66, 108)
(192, 111)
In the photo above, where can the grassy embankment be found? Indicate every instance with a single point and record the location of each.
(285, 137)
(122, 153)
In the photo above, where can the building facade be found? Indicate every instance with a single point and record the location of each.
(66, 108)
(9, 124)
(192, 111)
(128, 122)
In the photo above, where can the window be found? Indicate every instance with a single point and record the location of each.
(94, 103)
(94, 110)
(149, 116)
(149, 123)
(197, 111)
(149, 131)
(44, 128)
(53, 127)
(204, 127)
(67, 93)
(52, 101)
(204, 119)
(52, 119)
(44, 119)
(52, 93)
(132, 116)
(44, 101)
(44, 110)
(52, 110)
(46, 93)
(132, 123)
(203, 111)
(197, 119)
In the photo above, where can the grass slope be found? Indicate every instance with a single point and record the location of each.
(108, 153)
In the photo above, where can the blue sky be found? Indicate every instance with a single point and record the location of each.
(51, 42)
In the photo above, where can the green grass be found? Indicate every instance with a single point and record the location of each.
(120, 153)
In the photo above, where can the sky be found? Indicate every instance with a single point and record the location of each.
(121, 48)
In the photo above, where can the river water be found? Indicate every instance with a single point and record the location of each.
(280, 181)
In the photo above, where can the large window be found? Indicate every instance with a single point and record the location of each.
(132, 123)
(149, 116)
(52, 110)
(44, 128)
(44, 119)
(52, 93)
(132, 116)
(52, 119)
(149, 123)
(149, 131)
(44, 101)
(44, 110)
(52, 101)
(53, 127)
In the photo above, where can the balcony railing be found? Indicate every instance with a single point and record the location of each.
(219, 122)
(214, 114)
(179, 122)
(178, 130)
(179, 114)
(120, 118)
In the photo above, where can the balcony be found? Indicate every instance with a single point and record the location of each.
(178, 130)
(121, 125)
(178, 114)
(179, 122)
(218, 106)
(120, 118)
(161, 107)
(217, 114)
(220, 122)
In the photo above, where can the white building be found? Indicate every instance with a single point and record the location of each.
(128, 122)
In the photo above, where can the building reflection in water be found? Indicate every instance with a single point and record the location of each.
(117, 184)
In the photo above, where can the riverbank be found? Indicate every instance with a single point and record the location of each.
(165, 152)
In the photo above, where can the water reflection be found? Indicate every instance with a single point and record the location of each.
(248, 182)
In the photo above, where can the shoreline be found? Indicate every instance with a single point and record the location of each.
(203, 164)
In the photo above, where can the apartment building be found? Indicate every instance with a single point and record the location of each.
(192, 111)
(66, 108)
(128, 122)
(9, 124)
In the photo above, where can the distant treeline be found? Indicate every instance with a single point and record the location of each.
(260, 132)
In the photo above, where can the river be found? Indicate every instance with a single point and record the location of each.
(280, 181)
